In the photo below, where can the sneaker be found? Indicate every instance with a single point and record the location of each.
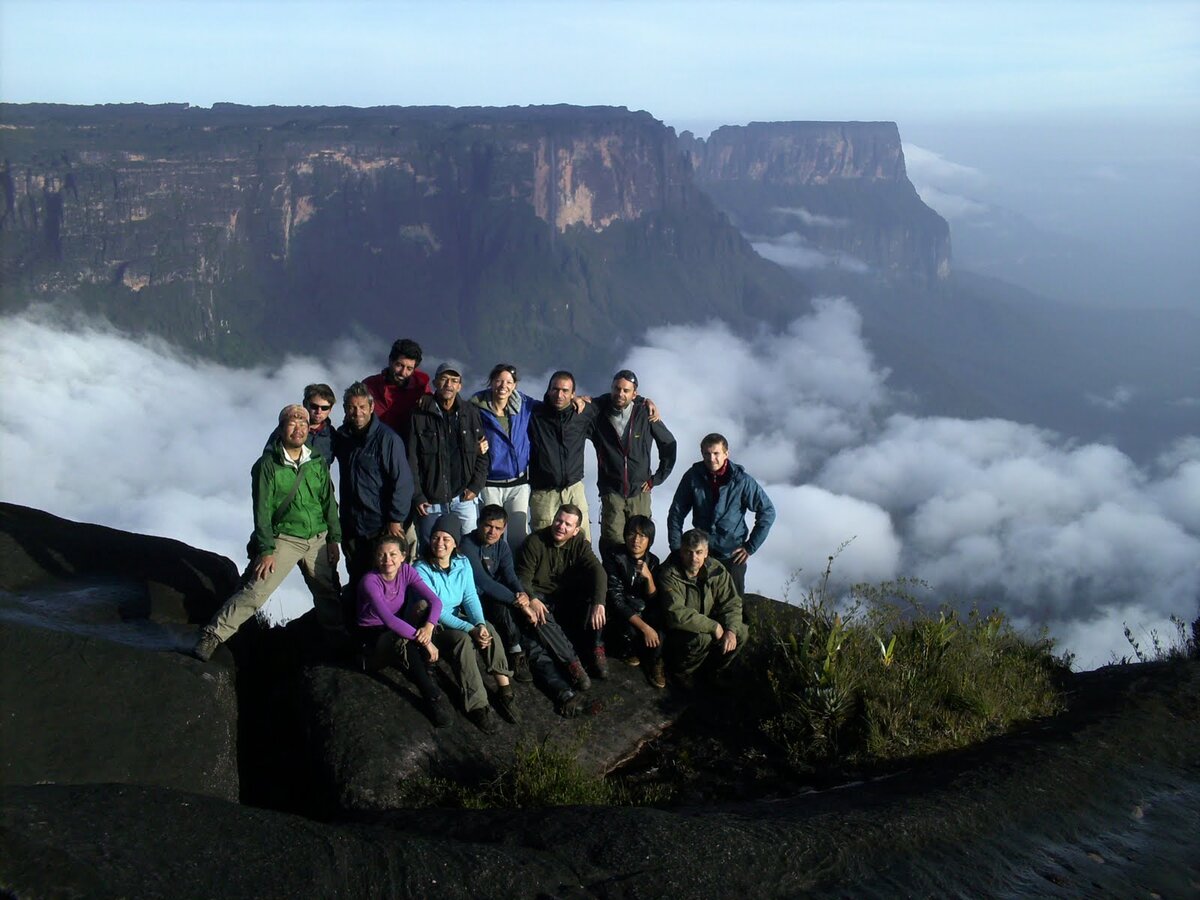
(483, 719)
(439, 711)
(520, 667)
(579, 678)
(571, 707)
(506, 704)
(632, 660)
(600, 663)
(206, 646)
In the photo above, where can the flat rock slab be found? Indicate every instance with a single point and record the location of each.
(369, 733)
(80, 708)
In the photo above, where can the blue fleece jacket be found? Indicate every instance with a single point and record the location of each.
(508, 449)
(461, 609)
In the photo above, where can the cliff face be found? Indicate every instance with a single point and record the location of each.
(530, 233)
(834, 187)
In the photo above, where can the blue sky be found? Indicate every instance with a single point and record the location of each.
(692, 64)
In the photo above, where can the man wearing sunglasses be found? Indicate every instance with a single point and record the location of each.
(318, 401)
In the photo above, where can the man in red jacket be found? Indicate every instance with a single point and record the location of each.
(398, 388)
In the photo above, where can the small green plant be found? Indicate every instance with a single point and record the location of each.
(883, 676)
(1181, 645)
(542, 774)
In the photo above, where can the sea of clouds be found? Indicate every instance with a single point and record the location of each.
(138, 435)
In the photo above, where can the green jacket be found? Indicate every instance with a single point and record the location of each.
(313, 509)
(698, 604)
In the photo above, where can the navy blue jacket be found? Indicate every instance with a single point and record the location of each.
(724, 520)
(508, 449)
(495, 575)
(374, 480)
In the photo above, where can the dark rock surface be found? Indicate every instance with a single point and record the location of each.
(94, 688)
(172, 582)
(370, 733)
(1103, 801)
(81, 709)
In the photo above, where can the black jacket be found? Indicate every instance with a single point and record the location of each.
(624, 459)
(626, 588)
(556, 442)
(429, 449)
(374, 480)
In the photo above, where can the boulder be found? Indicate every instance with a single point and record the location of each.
(95, 690)
(80, 708)
(178, 583)
(369, 733)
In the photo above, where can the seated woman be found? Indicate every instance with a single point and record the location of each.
(396, 615)
(633, 599)
(461, 630)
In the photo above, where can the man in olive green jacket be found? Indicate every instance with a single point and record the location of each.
(703, 610)
(295, 522)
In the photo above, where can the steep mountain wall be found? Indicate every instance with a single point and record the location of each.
(839, 188)
(538, 234)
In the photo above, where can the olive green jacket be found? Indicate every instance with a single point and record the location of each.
(698, 604)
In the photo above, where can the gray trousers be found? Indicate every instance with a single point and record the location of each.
(321, 578)
(463, 659)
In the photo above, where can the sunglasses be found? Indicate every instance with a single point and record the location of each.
(319, 407)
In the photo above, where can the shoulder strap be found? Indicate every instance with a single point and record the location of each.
(282, 508)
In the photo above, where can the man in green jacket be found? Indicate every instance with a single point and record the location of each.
(703, 610)
(295, 522)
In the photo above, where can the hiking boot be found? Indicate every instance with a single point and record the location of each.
(579, 678)
(506, 704)
(439, 711)
(483, 719)
(520, 667)
(658, 674)
(600, 663)
(206, 646)
(571, 707)
(632, 660)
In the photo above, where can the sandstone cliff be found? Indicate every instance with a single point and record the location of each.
(839, 188)
(541, 234)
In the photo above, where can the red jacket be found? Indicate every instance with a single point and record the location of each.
(394, 405)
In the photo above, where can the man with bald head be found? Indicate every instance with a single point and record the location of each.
(295, 523)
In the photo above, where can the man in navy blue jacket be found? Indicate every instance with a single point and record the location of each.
(374, 481)
(718, 493)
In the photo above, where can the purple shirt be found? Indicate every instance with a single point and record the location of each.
(382, 602)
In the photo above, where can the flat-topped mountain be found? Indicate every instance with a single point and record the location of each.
(836, 187)
(548, 233)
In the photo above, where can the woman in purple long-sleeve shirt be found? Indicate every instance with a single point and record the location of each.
(396, 615)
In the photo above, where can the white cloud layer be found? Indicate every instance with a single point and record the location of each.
(945, 186)
(793, 251)
(139, 436)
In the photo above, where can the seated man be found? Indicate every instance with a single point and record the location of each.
(496, 582)
(565, 580)
(633, 599)
(461, 630)
(703, 610)
(295, 523)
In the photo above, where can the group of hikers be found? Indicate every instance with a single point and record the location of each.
(464, 526)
